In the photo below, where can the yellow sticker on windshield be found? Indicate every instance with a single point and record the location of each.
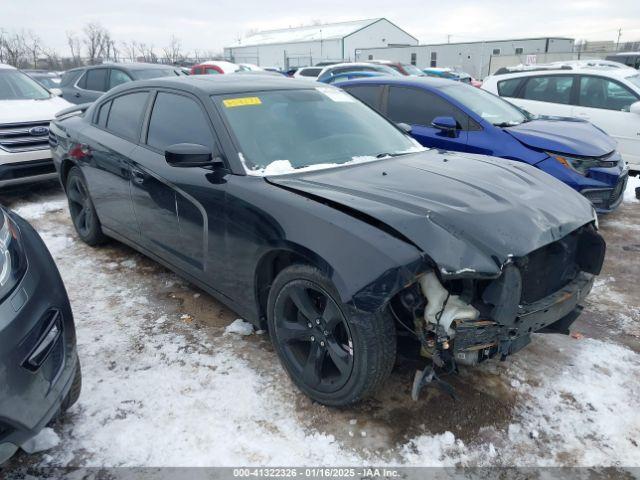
(241, 102)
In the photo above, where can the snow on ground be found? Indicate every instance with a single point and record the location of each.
(630, 191)
(160, 388)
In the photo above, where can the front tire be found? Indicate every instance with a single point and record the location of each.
(334, 356)
(83, 213)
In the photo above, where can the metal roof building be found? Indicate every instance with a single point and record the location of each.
(301, 46)
(479, 58)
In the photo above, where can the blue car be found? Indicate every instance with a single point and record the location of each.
(455, 116)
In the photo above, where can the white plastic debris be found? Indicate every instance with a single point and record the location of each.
(240, 327)
(44, 440)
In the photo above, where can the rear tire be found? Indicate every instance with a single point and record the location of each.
(83, 213)
(333, 356)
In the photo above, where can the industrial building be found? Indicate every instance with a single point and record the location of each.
(475, 58)
(309, 45)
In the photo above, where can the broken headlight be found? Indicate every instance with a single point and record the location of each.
(579, 164)
(13, 262)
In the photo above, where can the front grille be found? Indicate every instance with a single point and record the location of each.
(548, 269)
(607, 198)
(618, 190)
(21, 137)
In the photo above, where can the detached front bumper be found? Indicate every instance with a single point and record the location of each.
(38, 357)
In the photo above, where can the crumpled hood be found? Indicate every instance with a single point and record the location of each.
(14, 111)
(469, 213)
(563, 136)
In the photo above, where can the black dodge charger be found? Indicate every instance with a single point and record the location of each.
(39, 369)
(317, 219)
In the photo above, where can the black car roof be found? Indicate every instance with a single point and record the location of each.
(229, 83)
(126, 66)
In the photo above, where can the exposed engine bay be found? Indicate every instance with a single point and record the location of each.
(466, 321)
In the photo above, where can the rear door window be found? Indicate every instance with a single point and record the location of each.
(369, 94)
(125, 116)
(600, 92)
(96, 79)
(549, 88)
(177, 119)
(418, 107)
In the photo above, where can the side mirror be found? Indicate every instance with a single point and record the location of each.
(187, 155)
(446, 125)
(635, 108)
(404, 127)
(56, 91)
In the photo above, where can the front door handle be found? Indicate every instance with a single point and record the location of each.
(137, 176)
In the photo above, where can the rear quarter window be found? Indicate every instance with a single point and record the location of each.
(508, 88)
(126, 113)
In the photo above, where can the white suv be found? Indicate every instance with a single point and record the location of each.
(607, 97)
(26, 108)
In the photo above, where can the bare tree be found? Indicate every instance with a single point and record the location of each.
(147, 52)
(173, 52)
(95, 38)
(130, 49)
(32, 45)
(3, 35)
(74, 46)
(54, 62)
(14, 49)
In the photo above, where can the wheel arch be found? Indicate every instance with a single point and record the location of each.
(276, 259)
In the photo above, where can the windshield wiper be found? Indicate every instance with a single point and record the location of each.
(394, 154)
(507, 124)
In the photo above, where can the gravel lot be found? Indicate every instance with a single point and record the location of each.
(166, 385)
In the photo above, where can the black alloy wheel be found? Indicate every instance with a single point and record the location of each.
(314, 336)
(334, 353)
(83, 214)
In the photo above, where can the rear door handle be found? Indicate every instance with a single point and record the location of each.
(77, 95)
(137, 176)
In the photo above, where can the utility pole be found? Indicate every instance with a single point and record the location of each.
(618, 41)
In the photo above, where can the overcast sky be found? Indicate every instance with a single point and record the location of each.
(211, 25)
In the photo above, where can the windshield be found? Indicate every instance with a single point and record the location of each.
(412, 69)
(154, 73)
(49, 82)
(387, 70)
(310, 72)
(280, 131)
(15, 85)
(491, 108)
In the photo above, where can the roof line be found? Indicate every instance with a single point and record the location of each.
(379, 20)
(371, 20)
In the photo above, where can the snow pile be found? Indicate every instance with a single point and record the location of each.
(45, 440)
(239, 327)
(630, 191)
(34, 211)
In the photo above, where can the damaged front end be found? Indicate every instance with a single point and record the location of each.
(459, 319)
